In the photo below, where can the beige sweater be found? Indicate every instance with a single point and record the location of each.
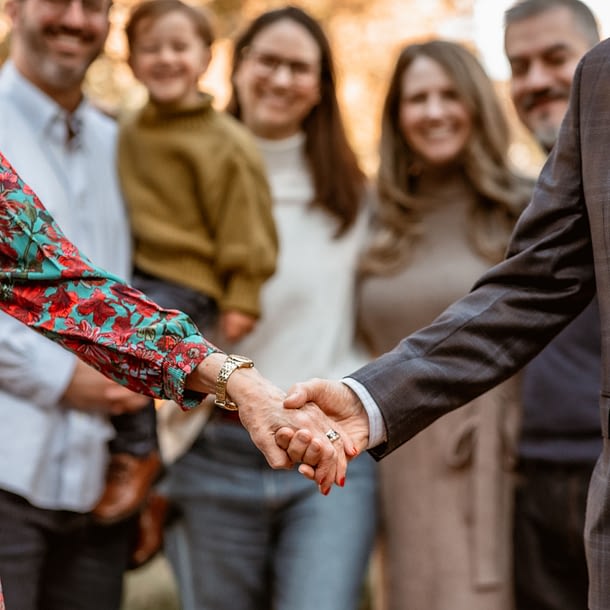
(446, 495)
(199, 202)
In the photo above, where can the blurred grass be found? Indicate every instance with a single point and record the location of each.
(152, 587)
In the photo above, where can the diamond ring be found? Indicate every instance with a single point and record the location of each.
(333, 435)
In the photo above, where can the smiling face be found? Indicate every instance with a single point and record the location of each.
(168, 57)
(53, 43)
(433, 119)
(543, 51)
(278, 80)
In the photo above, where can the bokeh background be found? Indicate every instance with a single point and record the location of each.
(366, 36)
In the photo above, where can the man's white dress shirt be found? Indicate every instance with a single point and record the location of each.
(50, 454)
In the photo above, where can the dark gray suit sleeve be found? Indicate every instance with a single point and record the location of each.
(511, 313)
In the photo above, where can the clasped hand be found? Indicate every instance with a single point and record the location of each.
(335, 401)
(292, 429)
(302, 429)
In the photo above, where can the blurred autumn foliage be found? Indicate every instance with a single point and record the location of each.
(365, 34)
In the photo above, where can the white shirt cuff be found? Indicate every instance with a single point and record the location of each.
(377, 430)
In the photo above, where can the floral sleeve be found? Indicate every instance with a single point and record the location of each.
(46, 283)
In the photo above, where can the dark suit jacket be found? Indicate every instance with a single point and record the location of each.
(559, 252)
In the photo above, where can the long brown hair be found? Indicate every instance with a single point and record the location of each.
(501, 192)
(338, 180)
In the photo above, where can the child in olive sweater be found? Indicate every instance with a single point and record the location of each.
(194, 183)
(199, 204)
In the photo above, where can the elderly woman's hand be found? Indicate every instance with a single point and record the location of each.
(262, 412)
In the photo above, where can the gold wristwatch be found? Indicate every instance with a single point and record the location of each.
(230, 365)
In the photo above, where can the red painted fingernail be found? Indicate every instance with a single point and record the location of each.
(342, 482)
(326, 491)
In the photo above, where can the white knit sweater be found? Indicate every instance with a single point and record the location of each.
(307, 323)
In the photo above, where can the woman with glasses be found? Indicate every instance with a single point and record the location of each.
(255, 538)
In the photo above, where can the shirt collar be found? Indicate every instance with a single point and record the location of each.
(40, 109)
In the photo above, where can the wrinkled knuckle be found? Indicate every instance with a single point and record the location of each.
(296, 449)
(302, 436)
(326, 453)
(277, 462)
(295, 456)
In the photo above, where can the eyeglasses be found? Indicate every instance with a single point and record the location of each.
(266, 64)
(90, 8)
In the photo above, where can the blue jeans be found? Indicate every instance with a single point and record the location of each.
(60, 560)
(254, 538)
(136, 433)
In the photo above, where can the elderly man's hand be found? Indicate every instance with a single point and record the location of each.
(345, 410)
(262, 413)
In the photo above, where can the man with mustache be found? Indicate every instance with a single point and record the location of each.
(561, 437)
(55, 425)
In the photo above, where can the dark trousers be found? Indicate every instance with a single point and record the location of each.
(60, 560)
(136, 433)
(549, 557)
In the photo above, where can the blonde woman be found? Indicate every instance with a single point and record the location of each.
(448, 200)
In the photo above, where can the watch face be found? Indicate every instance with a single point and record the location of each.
(230, 365)
(241, 360)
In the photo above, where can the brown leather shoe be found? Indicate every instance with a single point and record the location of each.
(128, 481)
(151, 523)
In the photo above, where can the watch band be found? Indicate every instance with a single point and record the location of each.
(230, 365)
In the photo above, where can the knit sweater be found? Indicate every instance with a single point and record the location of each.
(199, 202)
(307, 328)
(453, 550)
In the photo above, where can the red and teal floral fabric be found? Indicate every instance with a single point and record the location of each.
(46, 283)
